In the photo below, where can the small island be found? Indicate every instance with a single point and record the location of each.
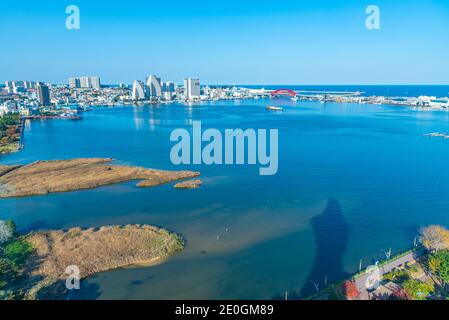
(43, 177)
(189, 184)
(34, 265)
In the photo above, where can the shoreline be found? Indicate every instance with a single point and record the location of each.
(371, 100)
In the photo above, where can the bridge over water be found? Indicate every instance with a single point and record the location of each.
(294, 93)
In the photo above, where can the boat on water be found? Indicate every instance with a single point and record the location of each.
(443, 135)
(294, 98)
(273, 108)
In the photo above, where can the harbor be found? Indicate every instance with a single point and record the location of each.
(69, 102)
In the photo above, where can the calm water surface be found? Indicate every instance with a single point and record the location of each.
(352, 180)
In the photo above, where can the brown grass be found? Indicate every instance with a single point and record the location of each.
(189, 184)
(95, 251)
(45, 177)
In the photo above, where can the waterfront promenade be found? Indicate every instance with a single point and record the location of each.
(395, 263)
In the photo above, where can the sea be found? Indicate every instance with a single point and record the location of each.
(353, 182)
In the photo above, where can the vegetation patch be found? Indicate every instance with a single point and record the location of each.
(10, 131)
(34, 266)
(14, 253)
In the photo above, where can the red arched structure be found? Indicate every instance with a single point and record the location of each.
(283, 92)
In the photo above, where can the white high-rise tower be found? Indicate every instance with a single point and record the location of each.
(138, 92)
(192, 89)
(154, 86)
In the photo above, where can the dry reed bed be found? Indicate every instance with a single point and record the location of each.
(43, 177)
(94, 251)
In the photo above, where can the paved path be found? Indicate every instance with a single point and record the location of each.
(361, 280)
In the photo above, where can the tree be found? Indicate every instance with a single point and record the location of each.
(434, 238)
(18, 251)
(438, 264)
(350, 290)
(417, 290)
(433, 263)
(8, 270)
(6, 233)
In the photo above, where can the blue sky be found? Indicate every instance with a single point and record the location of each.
(227, 42)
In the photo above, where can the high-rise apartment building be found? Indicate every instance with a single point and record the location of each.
(43, 94)
(95, 82)
(168, 87)
(138, 91)
(85, 82)
(192, 89)
(74, 83)
(20, 84)
(154, 87)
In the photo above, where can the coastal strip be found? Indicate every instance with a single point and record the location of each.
(44, 177)
(360, 278)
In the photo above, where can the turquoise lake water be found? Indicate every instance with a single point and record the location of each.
(353, 180)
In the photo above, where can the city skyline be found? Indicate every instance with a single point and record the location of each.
(228, 42)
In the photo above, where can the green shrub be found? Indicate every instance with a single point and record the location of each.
(18, 251)
(397, 275)
(417, 290)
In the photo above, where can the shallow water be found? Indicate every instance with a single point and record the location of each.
(352, 180)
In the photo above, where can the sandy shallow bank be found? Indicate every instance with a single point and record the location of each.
(43, 177)
(189, 184)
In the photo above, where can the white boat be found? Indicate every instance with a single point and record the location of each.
(273, 108)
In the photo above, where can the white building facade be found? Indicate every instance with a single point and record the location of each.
(138, 91)
(192, 89)
(154, 87)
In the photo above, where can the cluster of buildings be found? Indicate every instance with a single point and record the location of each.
(154, 89)
(23, 97)
(30, 97)
(85, 82)
(81, 93)
(17, 86)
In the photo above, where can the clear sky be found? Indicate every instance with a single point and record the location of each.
(227, 41)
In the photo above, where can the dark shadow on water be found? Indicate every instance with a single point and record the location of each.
(88, 291)
(39, 225)
(58, 291)
(331, 237)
